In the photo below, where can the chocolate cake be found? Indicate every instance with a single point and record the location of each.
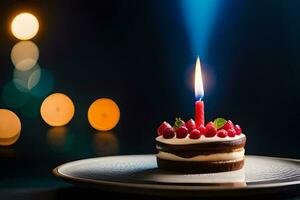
(213, 148)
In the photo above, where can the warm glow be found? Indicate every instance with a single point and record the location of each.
(57, 109)
(24, 55)
(199, 92)
(10, 127)
(25, 26)
(104, 114)
(105, 143)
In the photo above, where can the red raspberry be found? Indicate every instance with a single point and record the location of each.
(231, 132)
(228, 125)
(195, 134)
(182, 132)
(202, 129)
(209, 124)
(210, 131)
(162, 127)
(190, 125)
(222, 133)
(238, 129)
(168, 133)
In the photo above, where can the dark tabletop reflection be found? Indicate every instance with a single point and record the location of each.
(105, 143)
(72, 192)
(60, 139)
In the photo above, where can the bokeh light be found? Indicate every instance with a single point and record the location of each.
(24, 55)
(26, 80)
(57, 109)
(105, 143)
(10, 127)
(13, 97)
(45, 84)
(59, 139)
(103, 114)
(199, 17)
(25, 26)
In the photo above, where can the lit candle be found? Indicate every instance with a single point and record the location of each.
(199, 93)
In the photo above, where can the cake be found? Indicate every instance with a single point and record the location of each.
(216, 147)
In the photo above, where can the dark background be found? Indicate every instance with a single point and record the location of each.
(139, 53)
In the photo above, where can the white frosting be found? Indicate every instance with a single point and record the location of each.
(232, 156)
(202, 139)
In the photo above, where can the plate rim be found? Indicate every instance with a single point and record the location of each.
(169, 187)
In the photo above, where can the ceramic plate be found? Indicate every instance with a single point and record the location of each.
(139, 174)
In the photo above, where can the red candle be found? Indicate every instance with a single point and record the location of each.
(199, 93)
(199, 113)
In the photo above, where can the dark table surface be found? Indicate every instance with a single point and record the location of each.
(26, 166)
(69, 192)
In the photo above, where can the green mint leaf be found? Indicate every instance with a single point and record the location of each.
(219, 123)
(178, 123)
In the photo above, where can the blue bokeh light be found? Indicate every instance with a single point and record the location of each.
(199, 16)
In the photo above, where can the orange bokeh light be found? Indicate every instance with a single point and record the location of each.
(24, 55)
(57, 109)
(10, 127)
(104, 114)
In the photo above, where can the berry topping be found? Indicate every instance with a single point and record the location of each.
(190, 125)
(238, 129)
(209, 124)
(202, 129)
(162, 127)
(195, 134)
(222, 133)
(231, 132)
(210, 131)
(182, 132)
(168, 133)
(228, 125)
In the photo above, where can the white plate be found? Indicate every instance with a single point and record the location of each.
(139, 174)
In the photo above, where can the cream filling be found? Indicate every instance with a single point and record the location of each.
(202, 139)
(237, 155)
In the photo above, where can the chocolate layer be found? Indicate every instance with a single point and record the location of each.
(190, 154)
(191, 150)
(199, 167)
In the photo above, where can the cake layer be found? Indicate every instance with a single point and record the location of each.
(237, 155)
(191, 150)
(202, 139)
(200, 167)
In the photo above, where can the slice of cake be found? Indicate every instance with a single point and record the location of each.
(216, 147)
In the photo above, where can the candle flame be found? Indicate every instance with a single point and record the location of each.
(199, 91)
